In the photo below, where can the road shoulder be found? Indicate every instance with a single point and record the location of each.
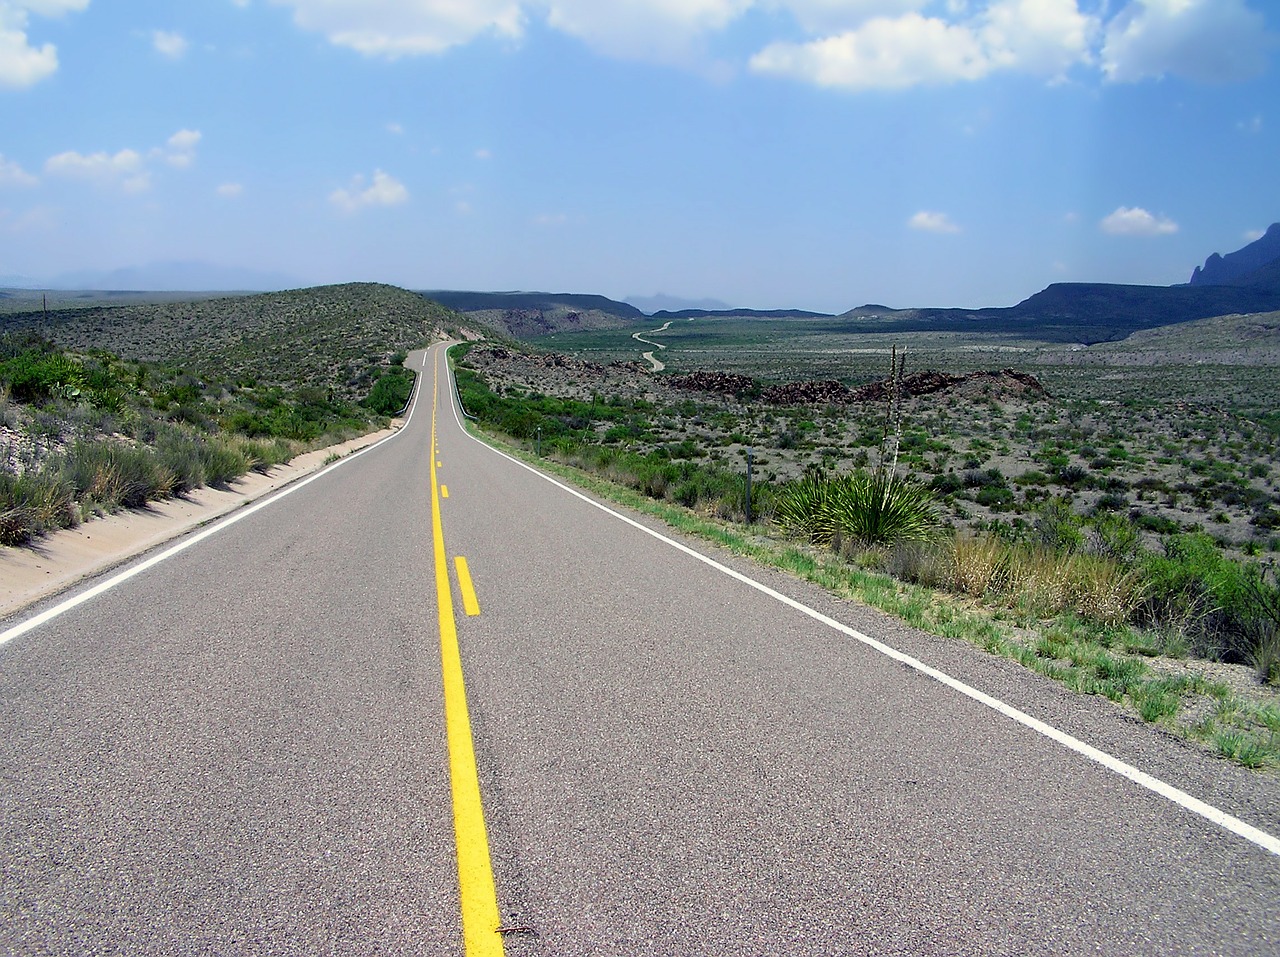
(62, 559)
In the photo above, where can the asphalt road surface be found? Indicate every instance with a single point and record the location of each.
(262, 745)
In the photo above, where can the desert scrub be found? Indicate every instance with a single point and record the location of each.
(391, 389)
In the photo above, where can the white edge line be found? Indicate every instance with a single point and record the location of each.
(106, 585)
(1261, 838)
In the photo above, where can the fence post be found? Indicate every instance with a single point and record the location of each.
(748, 486)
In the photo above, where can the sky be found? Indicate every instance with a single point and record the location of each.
(815, 154)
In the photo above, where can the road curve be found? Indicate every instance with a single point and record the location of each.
(243, 750)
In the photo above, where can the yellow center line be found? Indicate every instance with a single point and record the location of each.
(469, 602)
(479, 897)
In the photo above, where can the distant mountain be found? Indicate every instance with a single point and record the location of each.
(1236, 268)
(528, 315)
(464, 301)
(664, 303)
(742, 313)
(177, 277)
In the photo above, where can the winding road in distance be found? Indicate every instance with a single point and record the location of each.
(433, 703)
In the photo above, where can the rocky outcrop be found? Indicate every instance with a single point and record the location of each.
(719, 383)
(931, 382)
(1234, 267)
(822, 392)
(1007, 382)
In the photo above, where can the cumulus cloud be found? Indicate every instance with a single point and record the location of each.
(383, 190)
(884, 54)
(180, 149)
(11, 174)
(125, 169)
(171, 45)
(21, 62)
(1042, 37)
(848, 44)
(931, 222)
(1211, 40)
(1136, 221)
(396, 28)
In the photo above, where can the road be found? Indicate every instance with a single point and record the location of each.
(248, 748)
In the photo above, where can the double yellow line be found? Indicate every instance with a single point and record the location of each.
(480, 916)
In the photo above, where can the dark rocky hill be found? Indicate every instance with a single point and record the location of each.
(1239, 267)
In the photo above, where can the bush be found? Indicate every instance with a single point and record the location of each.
(391, 391)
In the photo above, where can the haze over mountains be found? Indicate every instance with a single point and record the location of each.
(1245, 281)
(162, 277)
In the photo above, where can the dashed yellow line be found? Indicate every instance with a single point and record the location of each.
(444, 491)
(469, 602)
(479, 897)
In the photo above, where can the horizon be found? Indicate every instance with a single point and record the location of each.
(786, 154)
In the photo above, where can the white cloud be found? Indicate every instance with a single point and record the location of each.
(181, 148)
(383, 190)
(1043, 37)
(849, 44)
(230, 190)
(1212, 40)
(171, 45)
(1253, 235)
(483, 154)
(930, 222)
(100, 167)
(1251, 125)
(395, 128)
(11, 174)
(551, 219)
(1136, 221)
(22, 63)
(127, 168)
(883, 54)
(396, 28)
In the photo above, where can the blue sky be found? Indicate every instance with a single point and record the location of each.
(809, 153)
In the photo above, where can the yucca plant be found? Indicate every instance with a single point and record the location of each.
(801, 506)
(879, 508)
(862, 509)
